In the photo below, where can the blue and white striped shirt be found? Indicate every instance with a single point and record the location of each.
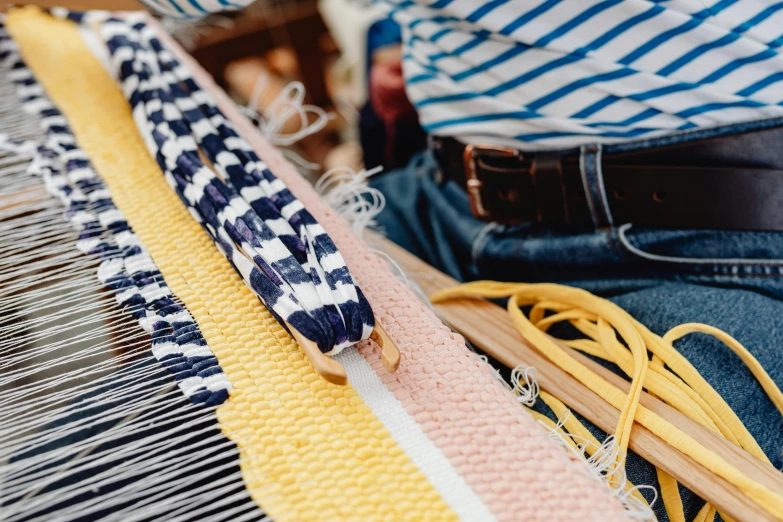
(560, 73)
(193, 8)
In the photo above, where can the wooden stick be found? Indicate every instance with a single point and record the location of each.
(390, 354)
(328, 368)
(489, 327)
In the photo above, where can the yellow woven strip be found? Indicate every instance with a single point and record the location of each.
(310, 450)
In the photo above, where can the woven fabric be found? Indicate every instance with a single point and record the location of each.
(412, 439)
(282, 253)
(311, 450)
(498, 448)
(126, 266)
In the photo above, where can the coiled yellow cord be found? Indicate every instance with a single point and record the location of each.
(667, 375)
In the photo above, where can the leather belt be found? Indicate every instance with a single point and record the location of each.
(679, 186)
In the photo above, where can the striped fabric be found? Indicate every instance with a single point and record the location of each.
(282, 253)
(560, 73)
(126, 266)
(193, 8)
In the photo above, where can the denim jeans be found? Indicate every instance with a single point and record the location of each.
(731, 280)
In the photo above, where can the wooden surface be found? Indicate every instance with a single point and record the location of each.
(298, 26)
(489, 327)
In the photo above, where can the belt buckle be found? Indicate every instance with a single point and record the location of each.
(473, 180)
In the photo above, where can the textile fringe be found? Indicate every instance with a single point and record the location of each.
(605, 461)
(606, 465)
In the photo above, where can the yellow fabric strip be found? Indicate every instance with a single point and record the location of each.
(751, 362)
(670, 493)
(311, 451)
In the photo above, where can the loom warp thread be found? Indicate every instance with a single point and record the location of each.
(126, 266)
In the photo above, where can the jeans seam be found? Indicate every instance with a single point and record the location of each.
(583, 168)
(599, 179)
(715, 263)
(480, 242)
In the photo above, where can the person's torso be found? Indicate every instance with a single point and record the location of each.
(560, 73)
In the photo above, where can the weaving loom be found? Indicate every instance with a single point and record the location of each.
(176, 299)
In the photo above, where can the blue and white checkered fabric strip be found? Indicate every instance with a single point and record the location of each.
(126, 266)
(193, 8)
(561, 73)
(274, 243)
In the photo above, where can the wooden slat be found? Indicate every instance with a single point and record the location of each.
(489, 327)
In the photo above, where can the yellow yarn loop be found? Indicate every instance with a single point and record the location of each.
(751, 362)
(666, 375)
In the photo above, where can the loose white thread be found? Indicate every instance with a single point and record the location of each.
(524, 385)
(287, 105)
(348, 193)
(606, 466)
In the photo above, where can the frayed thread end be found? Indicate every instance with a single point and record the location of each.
(348, 193)
(605, 465)
(287, 105)
(524, 385)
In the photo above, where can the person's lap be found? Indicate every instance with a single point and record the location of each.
(730, 280)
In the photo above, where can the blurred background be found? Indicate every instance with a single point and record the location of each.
(321, 78)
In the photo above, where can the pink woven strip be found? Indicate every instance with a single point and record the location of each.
(501, 452)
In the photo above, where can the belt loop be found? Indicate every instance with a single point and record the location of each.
(593, 181)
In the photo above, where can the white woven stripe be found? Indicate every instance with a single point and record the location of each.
(412, 439)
